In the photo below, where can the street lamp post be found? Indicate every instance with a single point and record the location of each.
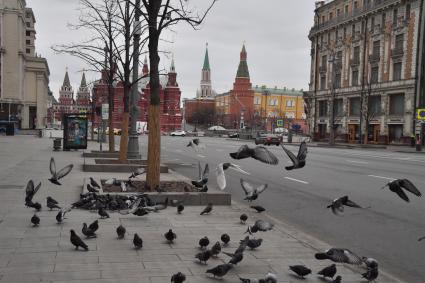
(332, 104)
(133, 138)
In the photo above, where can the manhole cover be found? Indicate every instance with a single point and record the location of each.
(10, 187)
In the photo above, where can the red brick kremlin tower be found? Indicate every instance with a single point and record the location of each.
(242, 95)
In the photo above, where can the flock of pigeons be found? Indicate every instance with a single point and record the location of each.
(141, 205)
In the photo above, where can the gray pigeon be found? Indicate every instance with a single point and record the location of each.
(207, 209)
(121, 232)
(35, 220)
(203, 256)
(220, 270)
(77, 242)
(52, 203)
(89, 233)
(260, 225)
(102, 212)
(258, 208)
(340, 256)
(300, 270)
(259, 153)
(235, 258)
(216, 249)
(252, 193)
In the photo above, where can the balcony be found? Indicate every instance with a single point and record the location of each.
(397, 52)
(355, 61)
(374, 58)
(338, 64)
(323, 69)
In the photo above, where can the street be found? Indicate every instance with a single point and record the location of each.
(387, 231)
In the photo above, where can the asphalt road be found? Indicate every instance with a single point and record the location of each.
(388, 231)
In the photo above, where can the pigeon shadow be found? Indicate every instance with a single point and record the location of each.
(296, 276)
(323, 279)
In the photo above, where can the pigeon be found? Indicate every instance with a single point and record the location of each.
(207, 209)
(337, 205)
(253, 243)
(94, 226)
(202, 177)
(220, 270)
(328, 271)
(270, 278)
(203, 256)
(300, 270)
(112, 181)
(259, 153)
(340, 256)
(398, 185)
(91, 189)
(52, 203)
(260, 225)
(30, 191)
(35, 220)
(56, 176)
(133, 208)
(371, 274)
(123, 186)
(235, 258)
(204, 189)
(102, 212)
(178, 278)
(88, 232)
(170, 236)
(121, 232)
(196, 144)
(252, 193)
(243, 218)
(225, 239)
(258, 208)
(299, 160)
(36, 205)
(137, 242)
(61, 214)
(221, 177)
(204, 242)
(337, 279)
(93, 183)
(180, 208)
(216, 249)
(139, 171)
(370, 262)
(77, 242)
(140, 211)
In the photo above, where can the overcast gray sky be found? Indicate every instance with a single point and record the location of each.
(274, 31)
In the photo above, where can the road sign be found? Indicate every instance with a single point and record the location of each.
(279, 123)
(421, 114)
(105, 111)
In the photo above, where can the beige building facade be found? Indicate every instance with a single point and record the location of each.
(364, 70)
(24, 76)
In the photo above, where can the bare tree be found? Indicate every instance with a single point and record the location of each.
(368, 112)
(111, 26)
(161, 15)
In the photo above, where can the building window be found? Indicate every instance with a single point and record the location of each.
(372, 25)
(272, 102)
(397, 104)
(395, 15)
(324, 61)
(374, 105)
(28, 42)
(28, 24)
(338, 12)
(323, 82)
(376, 48)
(355, 78)
(331, 15)
(339, 111)
(397, 71)
(28, 33)
(290, 103)
(323, 108)
(257, 101)
(356, 54)
(345, 32)
(28, 51)
(407, 12)
(346, 9)
(290, 115)
(337, 82)
(374, 74)
(355, 106)
(399, 42)
(353, 29)
(356, 5)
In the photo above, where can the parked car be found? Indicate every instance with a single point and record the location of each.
(178, 133)
(268, 139)
(233, 135)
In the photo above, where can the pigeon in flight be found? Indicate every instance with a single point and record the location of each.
(121, 232)
(137, 242)
(299, 160)
(328, 271)
(260, 225)
(203, 256)
(204, 189)
(77, 242)
(243, 218)
(252, 193)
(221, 177)
(207, 209)
(204, 242)
(56, 176)
(202, 177)
(170, 236)
(258, 208)
(35, 220)
(259, 152)
(52, 203)
(89, 233)
(340, 256)
(30, 191)
(337, 205)
(300, 270)
(178, 278)
(196, 144)
(225, 239)
(398, 185)
(93, 183)
(220, 270)
(61, 214)
(139, 171)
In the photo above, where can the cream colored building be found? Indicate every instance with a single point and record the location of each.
(24, 76)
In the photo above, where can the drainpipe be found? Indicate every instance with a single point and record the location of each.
(363, 80)
(421, 37)
(316, 66)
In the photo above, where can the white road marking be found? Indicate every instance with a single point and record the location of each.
(178, 150)
(175, 159)
(200, 155)
(381, 177)
(296, 180)
(359, 162)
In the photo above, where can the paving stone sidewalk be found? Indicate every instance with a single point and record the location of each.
(44, 253)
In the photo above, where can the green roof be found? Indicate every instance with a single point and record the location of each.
(206, 61)
(242, 70)
(66, 81)
(278, 91)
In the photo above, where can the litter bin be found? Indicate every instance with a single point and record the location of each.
(57, 144)
(40, 133)
(10, 129)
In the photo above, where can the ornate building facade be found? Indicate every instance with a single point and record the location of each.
(365, 59)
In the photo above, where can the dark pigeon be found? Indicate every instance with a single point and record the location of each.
(56, 176)
(36, 205)
(254, 243)
(203, 256)
(258, 208)
(30, 191)
(77, 242)
(178, 278)
(207, 209)
(204, 242)
(399, 185)
(202, 177)
(88, 232)
(300, 270)
(338, 204)
(220, 270)
(94, 226)
(35, 220)
(93, 183)
(337, 279)
(121, 232)
(170, 236)
(225, 239)
(259, 153)
(235, 258)
(328, 271)
(180, 208)
(299, 160)
(52, 203)
(371, 274)
(137, 241)
(91, 189)
(216, 249)
(243, 218)
(102, 212)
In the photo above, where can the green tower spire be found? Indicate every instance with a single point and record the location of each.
(206, 60)
(243, 65)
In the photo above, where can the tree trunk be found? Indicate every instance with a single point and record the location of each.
(124, 137)
(110, 117)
